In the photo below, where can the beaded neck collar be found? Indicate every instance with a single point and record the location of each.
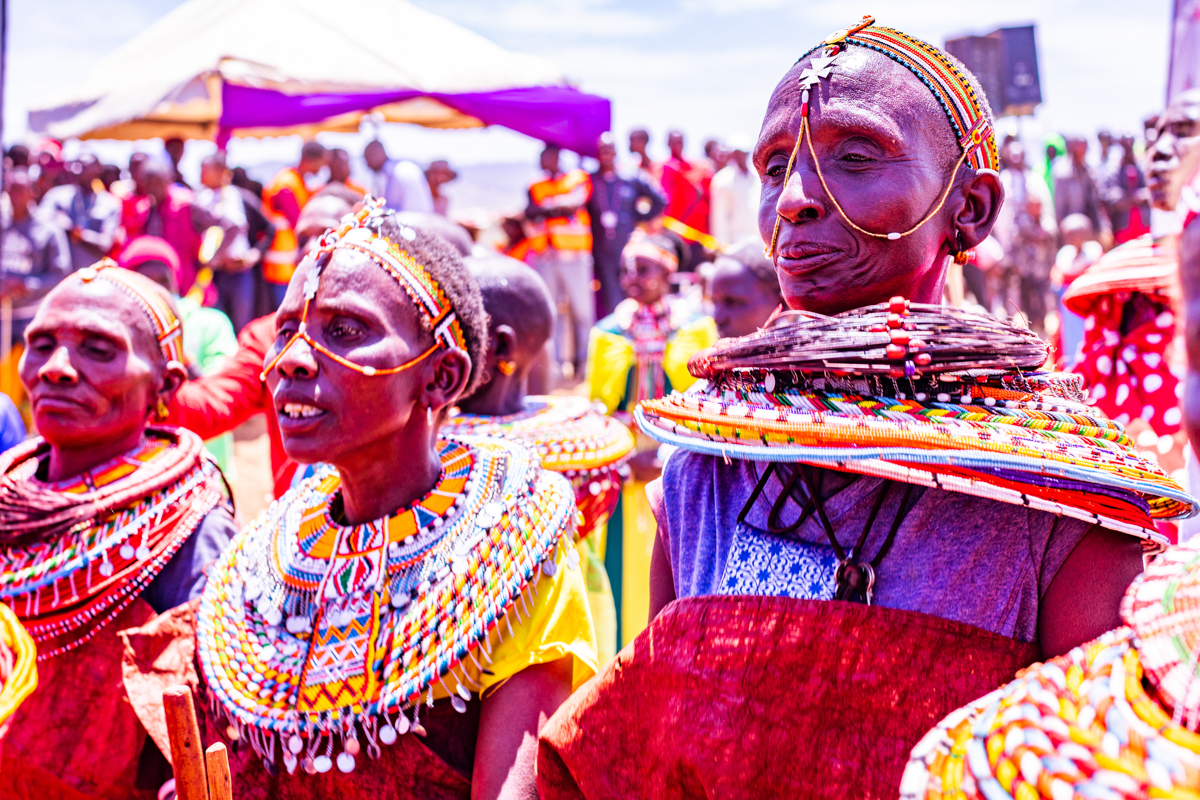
(573, 438)
(923, 395)
(108, 534)
(318, 634)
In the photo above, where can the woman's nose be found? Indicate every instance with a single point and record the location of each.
(799, 200)
(298, 361)
(58, 368)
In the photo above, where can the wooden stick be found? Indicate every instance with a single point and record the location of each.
(220, 785)
(187, 760)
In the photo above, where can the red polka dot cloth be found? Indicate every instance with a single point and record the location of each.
(1131, 359)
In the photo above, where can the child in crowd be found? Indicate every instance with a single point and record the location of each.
(640, 352)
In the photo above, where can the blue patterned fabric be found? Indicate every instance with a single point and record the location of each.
(761, 563)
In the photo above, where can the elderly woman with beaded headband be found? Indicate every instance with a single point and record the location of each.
(104, 521)
(874, 515)
(400, 622)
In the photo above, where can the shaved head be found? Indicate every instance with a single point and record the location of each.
(454, 234)
(514, 295)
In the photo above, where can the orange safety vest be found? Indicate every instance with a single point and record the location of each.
(280, 261)
(573, 188)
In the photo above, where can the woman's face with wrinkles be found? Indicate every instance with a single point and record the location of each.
(886, 152)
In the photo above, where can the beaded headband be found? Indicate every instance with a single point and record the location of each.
(644, 248)
(168, 331)
(360, 232)
(949, 85)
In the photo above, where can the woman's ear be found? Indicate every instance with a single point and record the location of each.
(174, 376)
(446, 377)
(504, 343)
(982, 195)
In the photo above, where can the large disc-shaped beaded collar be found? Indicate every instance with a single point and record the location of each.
(318, 633)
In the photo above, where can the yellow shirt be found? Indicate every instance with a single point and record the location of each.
(559, 625)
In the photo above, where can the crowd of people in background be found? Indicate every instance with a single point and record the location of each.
(605, 286)
(235, 241)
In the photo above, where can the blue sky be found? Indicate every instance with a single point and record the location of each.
(704, 65)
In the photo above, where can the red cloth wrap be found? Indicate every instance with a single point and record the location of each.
(751, 697)
(77, 735)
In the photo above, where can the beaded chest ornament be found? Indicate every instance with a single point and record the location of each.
(67, 586)
(314, 634)
(950, 87)
(923, 395)
(574, 439)
(359, 233)
(1113, 718)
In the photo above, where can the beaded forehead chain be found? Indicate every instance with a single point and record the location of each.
(360, 232)
(948, 83)
(168, 330)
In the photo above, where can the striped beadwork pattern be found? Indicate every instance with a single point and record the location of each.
(66, 589)
(572, 438)
(359, 233)
(949, 86)
(960, 439)
(314, 631)
(1079, 726)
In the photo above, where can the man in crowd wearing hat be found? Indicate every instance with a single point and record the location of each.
(616, 206)
(734, 210)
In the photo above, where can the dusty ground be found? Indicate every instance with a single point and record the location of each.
(252, 458)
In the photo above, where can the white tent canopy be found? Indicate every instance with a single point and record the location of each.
(167, 80)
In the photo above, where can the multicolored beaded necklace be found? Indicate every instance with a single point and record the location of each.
(1113, 718)
(1016, 436)
(574, 439)
(648, 327)
(318, 633)
(66, 587)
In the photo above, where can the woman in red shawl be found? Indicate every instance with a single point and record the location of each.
(931, 526)
(104, 521)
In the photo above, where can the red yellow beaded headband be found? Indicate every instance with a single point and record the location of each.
(644, 248)
(360, 232)
(949, 85)
(149, 296)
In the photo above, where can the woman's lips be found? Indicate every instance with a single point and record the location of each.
(52, 403)
(798, 259)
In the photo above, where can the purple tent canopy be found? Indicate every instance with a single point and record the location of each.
(556, 114)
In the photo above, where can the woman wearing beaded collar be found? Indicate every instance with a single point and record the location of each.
(399, 623)
(878, 164)
(103, 522)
